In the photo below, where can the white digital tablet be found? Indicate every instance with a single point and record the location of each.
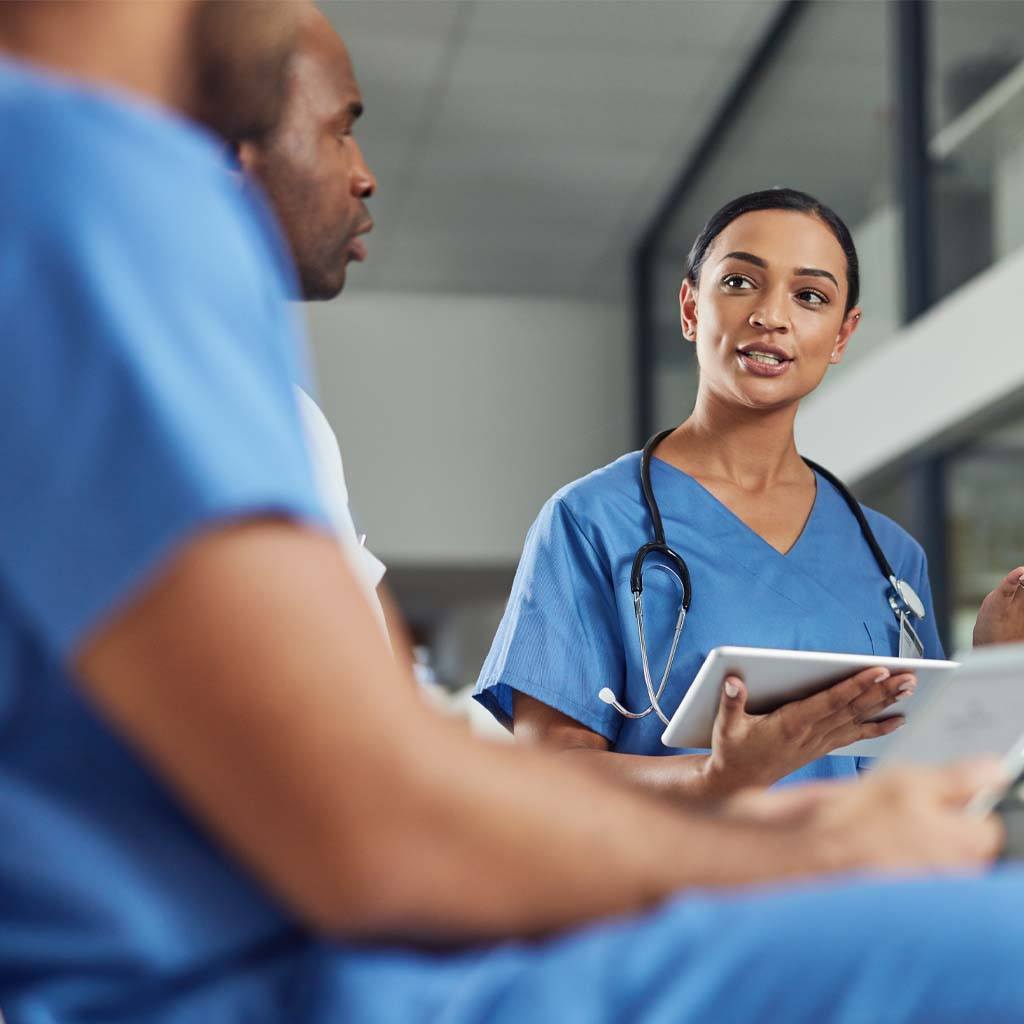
(776, 677)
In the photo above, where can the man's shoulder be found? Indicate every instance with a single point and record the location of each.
(45, 112)
(320, 435)
(74, 153)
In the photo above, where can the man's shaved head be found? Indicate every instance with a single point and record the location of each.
(310, 164)
(240, 53)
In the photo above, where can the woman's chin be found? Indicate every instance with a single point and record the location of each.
(767, 395)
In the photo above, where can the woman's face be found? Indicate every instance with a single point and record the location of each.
(768, 313)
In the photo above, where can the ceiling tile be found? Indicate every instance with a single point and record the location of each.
(520, 145)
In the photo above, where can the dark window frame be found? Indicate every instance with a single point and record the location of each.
(911, 46)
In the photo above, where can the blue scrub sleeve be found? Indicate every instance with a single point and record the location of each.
(559, 639)
(146, 390)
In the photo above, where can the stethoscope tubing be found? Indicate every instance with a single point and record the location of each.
(900, 602)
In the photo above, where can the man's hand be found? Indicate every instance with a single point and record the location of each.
(757, 750)
(782, 805)
(1001, 618)
(910, 819)
(894, 820)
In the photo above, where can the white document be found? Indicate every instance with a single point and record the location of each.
(776, 677)
(980, 712)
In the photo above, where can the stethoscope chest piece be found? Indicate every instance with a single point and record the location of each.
(908, 595)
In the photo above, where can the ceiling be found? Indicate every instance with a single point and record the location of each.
(521, 145)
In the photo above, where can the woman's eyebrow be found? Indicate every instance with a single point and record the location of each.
(747, 257)
(757, 261)
(814, 272)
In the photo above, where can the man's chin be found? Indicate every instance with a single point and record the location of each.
(323, 287)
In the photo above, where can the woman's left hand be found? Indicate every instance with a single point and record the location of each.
(1001, 618)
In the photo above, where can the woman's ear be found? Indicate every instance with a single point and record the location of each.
(688, 310)
(850, 323)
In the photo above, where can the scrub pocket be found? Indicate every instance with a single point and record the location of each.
(884, 637)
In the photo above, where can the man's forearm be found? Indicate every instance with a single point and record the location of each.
(307, 753)
(489, 841)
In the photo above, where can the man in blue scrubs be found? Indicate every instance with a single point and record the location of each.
(212, 798)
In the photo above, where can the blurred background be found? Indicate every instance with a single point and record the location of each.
(543, 168)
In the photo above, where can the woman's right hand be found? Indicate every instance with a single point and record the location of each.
(757, 750)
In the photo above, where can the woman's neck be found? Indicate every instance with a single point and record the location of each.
(751, 448)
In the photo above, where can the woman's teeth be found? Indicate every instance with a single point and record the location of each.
(763, 357)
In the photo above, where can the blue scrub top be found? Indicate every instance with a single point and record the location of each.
(146, 395)
(569, 628)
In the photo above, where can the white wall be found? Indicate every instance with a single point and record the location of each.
(459, 415)
(964, 355)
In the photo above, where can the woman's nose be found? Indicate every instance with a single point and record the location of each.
(769, 318)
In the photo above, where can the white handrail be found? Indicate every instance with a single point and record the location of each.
(984, 110)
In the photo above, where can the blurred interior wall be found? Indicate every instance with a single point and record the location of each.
(458, 415)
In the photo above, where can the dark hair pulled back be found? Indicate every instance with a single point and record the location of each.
(778, 199)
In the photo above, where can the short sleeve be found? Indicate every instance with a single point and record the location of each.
(148, 358)
(559, 639)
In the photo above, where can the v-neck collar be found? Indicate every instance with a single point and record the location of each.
(737, 523)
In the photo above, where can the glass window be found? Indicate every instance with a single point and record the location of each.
(985, 498)
(819, 119)
(977, 145)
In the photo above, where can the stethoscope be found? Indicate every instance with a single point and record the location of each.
(902, 597)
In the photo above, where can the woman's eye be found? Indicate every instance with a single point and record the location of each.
(813, 298)
(737, 281)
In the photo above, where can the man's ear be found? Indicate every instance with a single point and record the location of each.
(850, 323)
(246, 156)
(688, 310)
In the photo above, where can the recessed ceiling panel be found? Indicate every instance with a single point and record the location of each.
(521, 145)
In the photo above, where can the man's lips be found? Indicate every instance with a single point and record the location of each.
(357, 250)
(357, 247)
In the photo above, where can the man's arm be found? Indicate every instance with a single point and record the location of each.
(252, 675)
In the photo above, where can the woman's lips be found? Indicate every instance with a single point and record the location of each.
(763, 369)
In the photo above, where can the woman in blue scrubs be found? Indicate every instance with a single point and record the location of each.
(776, 557)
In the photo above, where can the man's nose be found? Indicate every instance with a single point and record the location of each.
(364, 184)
